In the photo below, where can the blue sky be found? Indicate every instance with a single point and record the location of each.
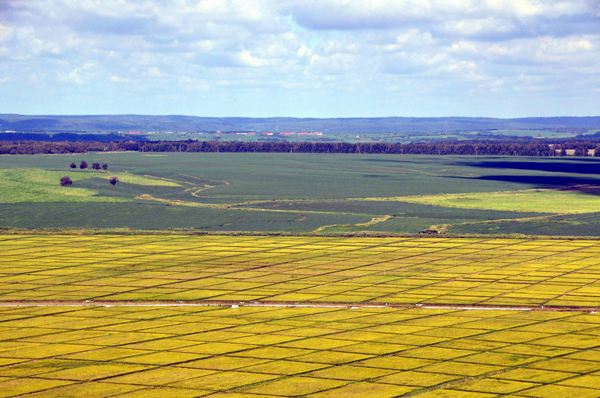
(302, 58)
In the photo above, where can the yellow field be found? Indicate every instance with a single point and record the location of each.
(492, 272)
(316, 352)
(145, 336)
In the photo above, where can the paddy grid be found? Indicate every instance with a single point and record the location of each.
(486, 272)
(263, 352)
(143, 316)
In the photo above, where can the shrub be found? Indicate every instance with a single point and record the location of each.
(73, 165)
(66, 181)
(114, 180)
(96, 166)
(83, 165)
(104, 166)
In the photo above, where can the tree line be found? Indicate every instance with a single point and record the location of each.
(538, 147)
(84, 165)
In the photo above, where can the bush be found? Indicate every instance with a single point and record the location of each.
(96, 166)
(83, 165)
(73, 165)
(114, 180)
(104, 166)
(66, 181)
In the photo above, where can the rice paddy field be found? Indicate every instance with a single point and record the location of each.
(491, 272)
(268, 316)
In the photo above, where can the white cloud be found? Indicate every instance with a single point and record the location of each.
(117, 79)
(192, 84)
(478, 27)
(382, 14)
(78, 75)
(301, 48)
(5, 33)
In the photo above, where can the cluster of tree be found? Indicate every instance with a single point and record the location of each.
(67, 182)
(84, 165)
(523, 147)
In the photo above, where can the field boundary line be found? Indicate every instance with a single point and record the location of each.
(9, 231)
(278, 304)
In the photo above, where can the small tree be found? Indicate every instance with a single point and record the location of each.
(73, 165)
(96, 166)
(66, 181)
(114, 180)
(83, 165)
(104, 167)
(581, 151)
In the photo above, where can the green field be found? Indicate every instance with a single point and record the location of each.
(536, 200)
(39, 186)
(303, 193)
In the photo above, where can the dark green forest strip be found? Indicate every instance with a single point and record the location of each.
(522, 147)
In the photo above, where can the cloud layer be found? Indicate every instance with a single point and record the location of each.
(301, 57)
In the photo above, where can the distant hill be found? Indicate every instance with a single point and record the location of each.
(142, 123)
(72, 137)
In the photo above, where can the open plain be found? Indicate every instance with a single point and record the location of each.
(304, 193)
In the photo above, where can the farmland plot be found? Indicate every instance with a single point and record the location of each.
(424, 271)
(315, 352)
(145, 316)
(304, 193)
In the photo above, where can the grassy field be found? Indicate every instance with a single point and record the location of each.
(585, 224)
(538, 200)
(148, 216)
(39, 186)
(61, 340)
(301, 192)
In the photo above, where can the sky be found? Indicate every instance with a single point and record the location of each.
(301, 58)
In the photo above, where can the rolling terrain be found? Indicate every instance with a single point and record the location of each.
(66, 123)
(319, 193)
